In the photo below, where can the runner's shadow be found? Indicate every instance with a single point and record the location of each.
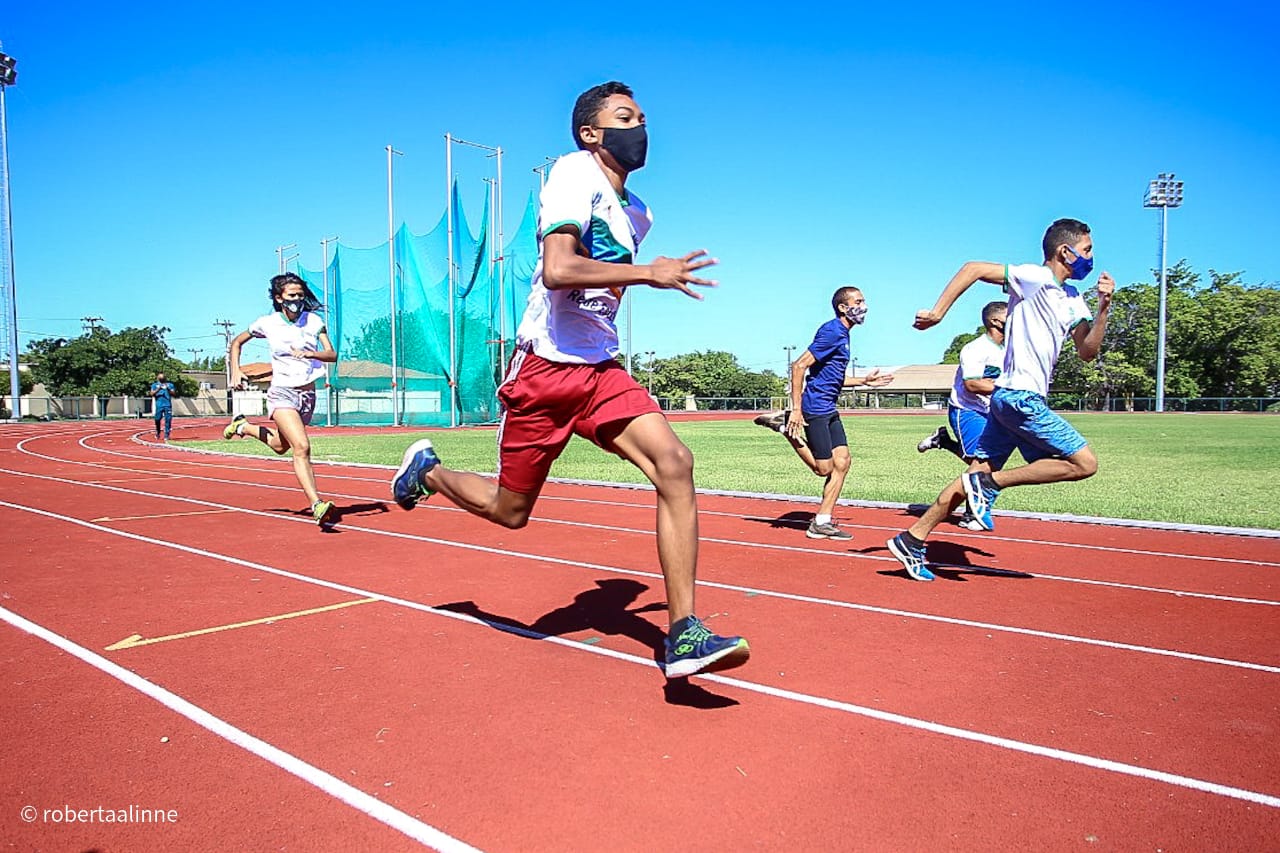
(604, 610)
(360, 509)
(789, 520)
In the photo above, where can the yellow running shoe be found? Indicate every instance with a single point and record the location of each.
(324, 512)
(232, 429)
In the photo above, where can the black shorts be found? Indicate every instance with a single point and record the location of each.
(824, 433)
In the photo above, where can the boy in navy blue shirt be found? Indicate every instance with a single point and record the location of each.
(813, 425)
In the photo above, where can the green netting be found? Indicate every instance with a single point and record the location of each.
(368, 383)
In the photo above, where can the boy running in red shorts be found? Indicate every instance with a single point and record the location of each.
(565, 377)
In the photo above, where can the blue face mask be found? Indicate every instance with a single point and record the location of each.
(1081, 266)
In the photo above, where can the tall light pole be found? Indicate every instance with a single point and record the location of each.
(1164, 192)
(786, 371)
(649, 354)
(391, 269)
(329, 369)
(8, 76)
(280, 250)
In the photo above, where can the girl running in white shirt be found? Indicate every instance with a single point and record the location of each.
(299, 346)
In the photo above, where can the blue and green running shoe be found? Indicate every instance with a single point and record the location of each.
(911, 557)
(980, 499)
(695, 649)
(406, 487)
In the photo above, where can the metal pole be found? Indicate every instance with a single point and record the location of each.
(329, 369)
(786, 373)
(10, 287)
(502, 277)
(453, 344)
(391, 271)
(1164, 237)
(280, 259)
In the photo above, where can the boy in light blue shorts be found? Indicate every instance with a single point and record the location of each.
(1044, 309)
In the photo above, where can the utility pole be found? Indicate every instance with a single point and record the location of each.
(195, 355)
(227, 326)
(91, 323)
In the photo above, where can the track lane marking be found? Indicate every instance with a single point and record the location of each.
(748, 544)
(647, 662)
(380, 811)
(616, 570)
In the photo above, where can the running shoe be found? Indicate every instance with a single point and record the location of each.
(933, 442)
(323, 512)
(980, 499)
(968, 522)
(406, 487)
(912, 559)
(232, 429)
(695, 649)
(826, 530)
(777, 421)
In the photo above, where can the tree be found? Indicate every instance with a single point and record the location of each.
(952, 355)
(1221, 340)
(711, 374)
(102, 364)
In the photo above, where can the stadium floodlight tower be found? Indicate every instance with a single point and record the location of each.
(1164, 192)
(8, 76)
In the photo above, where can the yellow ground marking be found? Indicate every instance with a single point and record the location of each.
(135, 640)
(160, 515)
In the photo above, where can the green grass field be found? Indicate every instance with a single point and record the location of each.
(1194, 468)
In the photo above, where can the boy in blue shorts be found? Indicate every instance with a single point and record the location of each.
(1044, 309)
(981, 363)
(813, 425)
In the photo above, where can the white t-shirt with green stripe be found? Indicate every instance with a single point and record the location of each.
(577, 325)
(981, 358)
(1042, 312)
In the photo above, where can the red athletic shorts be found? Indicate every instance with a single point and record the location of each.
(546, 402)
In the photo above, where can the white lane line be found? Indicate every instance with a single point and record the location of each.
(794, 696)
(1177, 593)
(616, 570)
(775, 498)
(309, 773)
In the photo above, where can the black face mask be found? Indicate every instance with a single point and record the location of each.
(627, 145)
(294, 305)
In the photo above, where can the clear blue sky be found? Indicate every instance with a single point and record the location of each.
(159, 154)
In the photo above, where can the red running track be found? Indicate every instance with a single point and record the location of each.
(426, 679)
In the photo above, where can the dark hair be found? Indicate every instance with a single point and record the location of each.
(841, 294)
(591, 102)
(1062, 231)
(990, 310)
(278, 284)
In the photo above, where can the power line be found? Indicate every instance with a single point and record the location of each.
(91, 322)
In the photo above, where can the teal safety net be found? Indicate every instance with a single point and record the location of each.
(372, 385)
